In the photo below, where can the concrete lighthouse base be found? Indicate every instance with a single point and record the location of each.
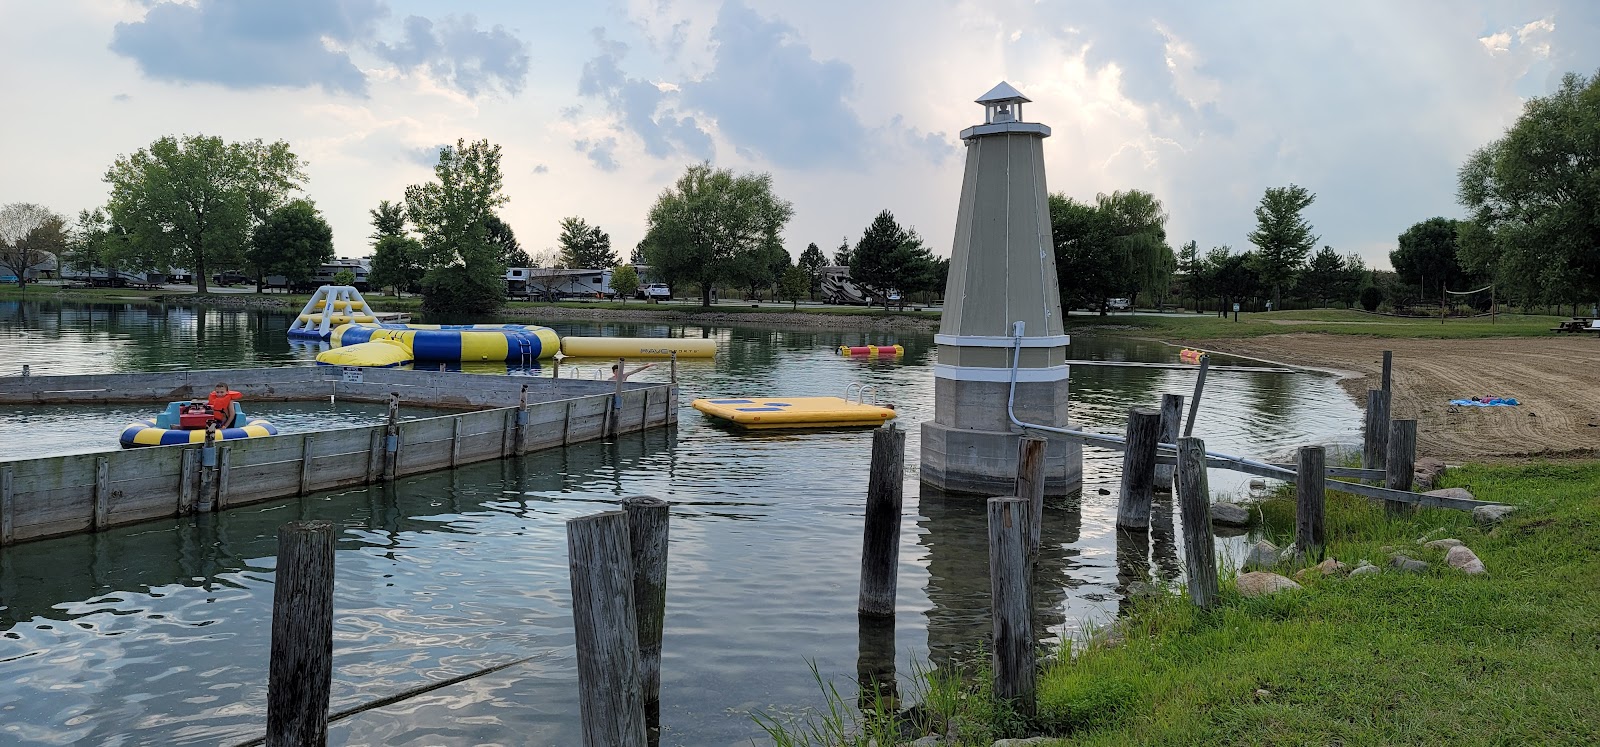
(976, 450)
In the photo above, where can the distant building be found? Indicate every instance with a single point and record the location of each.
(554, 283)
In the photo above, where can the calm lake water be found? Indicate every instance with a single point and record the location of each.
(159, 633)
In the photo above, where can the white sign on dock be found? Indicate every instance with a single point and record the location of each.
(352, 375)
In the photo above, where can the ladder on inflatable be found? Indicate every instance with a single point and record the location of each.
(329, 307)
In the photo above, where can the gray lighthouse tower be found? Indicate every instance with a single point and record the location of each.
(1002, 271)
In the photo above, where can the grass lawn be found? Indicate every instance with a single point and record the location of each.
(1440, 658)
(1324, 321)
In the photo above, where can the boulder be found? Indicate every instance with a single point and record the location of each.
(1263, 554)
(1408, 565)
(1029, 742)
(1258, 584)
(932, 740)
(1488, 516)
(1365, 570)
(1329, 567)
(1291, 554)
(1443, 544)
(1230, 514)
(1463, 559)
(1461, 493)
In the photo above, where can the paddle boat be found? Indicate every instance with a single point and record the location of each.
(186, 423)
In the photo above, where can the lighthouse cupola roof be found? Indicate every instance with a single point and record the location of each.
(1002, 113)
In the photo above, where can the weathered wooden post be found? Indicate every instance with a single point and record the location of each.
(1138, 468)
(610, 701)
(519, 438)
(555, 368)
(647, 541)
(1388, 371)
(880, 541)
(1194, 502)
(674, 378)
(301, 671)
(208, 470)
(1310, 493)
(1009, 577)
(391, 441)
(1030, 486)
(1171, 413)
(1401, 463)
(1374, 445)
(1199, 388)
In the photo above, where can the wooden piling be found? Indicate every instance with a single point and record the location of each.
(1374, 444)
(614, 415)
(207, 501)
(391, 439)
(1139, 468)
(1199, 388)
(301, 670)
(7, 492)
(610, 700)
(1400, 463)
(674, 378)
(880, 542)
(187, 464)
(307, 443)
(223, 477)
(1310, 493)
(1030, 485)
(1388, 371)
(519, 442)
(1171, 413)
(647, 543)
(102, 493)
(1194, 503)
(1009, 576)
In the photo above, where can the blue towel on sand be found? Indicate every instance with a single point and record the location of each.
(1496, 402)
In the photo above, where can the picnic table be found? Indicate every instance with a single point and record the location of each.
(1575, 325)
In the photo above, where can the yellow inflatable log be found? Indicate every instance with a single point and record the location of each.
(375, 354)
(794, 412)
(638, 347)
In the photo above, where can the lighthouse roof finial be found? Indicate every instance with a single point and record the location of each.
(1003, 92)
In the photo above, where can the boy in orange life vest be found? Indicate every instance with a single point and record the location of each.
(221, 402)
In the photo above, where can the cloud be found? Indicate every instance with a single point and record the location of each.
(641, 105)
(769, 95)
(243, 44)
(426, 156)
(541, 169)
(455, 51)
(600, 151)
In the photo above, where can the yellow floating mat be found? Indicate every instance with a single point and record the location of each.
(638, 347)
(794, 412)
(380, 353)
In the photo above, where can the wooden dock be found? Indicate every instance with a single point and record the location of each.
(52, 496)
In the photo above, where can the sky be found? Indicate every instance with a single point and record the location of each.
(853, 107)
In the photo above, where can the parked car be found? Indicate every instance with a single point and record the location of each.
(232, 278)
(1119, 304)
(654, 292)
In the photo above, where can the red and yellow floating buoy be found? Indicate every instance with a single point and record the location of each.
(1190, 356)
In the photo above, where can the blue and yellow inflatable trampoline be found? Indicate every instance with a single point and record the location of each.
(164, 430)
(457, 342)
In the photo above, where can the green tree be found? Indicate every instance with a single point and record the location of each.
(1282, 237)
(194, 201)
(511, 252)
(811, 261)
(1355, 277)
(1531, 197)
(1232, 277)
(757, 271)
(585, 246)
(396, 256)
(29, 235)
(705, 220)
(1426, 257)
(1323, 275)
(344, 277)
(95, 243)
(843, 256)
(1116, 246)
(388, 219)
(625, 282)
(291, 242)
(889, 257)
(1137, 221)
(796, 282)
(1192, 264)
(463, 273)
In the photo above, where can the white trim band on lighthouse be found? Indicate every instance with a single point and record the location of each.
(1001, 375)
(996, 341)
